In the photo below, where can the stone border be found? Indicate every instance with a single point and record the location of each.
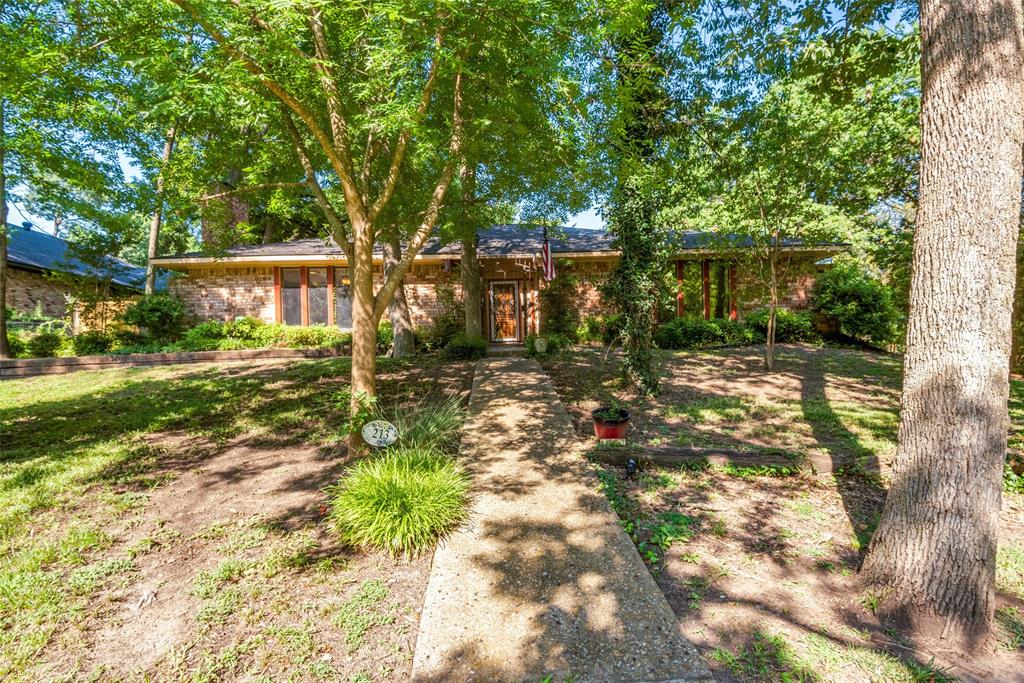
(29, 367)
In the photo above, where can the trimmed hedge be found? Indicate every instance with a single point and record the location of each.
(694, 333)
(790, 326)
(464, 347)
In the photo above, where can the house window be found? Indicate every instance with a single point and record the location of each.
(342, 299)
(291, 296)
(706, 289)
(316, 295)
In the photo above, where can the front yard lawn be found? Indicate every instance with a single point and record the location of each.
(170, 524)
(761, 570)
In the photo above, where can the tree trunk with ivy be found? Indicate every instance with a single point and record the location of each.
(634, 283)
(469, 266)
(933, 556)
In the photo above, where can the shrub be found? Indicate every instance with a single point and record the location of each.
(249, 328)
(790, 326)
(45, 344)
(315, 336)
(556, 342)
(91, 343)
(858, 305)
(611, 328)
(210, 329)
(559, 307)
(445, 326)
(694, 333)
(16, 344)
(401, 502)
(161, 315)
(385, 335)
(589, 329)
(464, 347)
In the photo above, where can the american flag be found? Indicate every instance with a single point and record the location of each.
(549, 263)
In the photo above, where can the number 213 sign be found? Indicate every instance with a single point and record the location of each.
(380, 433)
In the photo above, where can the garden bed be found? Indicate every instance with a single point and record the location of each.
(761, 568)
(171, 523)
(29, 367)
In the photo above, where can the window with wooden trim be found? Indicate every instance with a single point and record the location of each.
(342, 299)
(706, 288)
(291, 296)
(314, 295)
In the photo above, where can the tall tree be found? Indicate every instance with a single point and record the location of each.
(642, 109)
(54, 145)
(369, 94)
(935, 546)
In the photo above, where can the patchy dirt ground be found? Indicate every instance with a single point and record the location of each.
(209, 557)
(760, 570)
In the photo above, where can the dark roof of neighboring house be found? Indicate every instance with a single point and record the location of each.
(29, 249)
(494, 241)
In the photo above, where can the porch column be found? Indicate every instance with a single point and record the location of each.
(680, 304)
(705, 275)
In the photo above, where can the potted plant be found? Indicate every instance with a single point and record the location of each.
(611, 422)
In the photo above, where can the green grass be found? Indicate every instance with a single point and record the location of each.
(79, 441)
(1010, 571)
(814, 657)
(401, 502)
(364, 610)
(1010, 625)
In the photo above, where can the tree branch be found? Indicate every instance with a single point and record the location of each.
(394, 279)
(333, 219)
(398, 156)
(340, 164)
(339, 126)
(248, 188)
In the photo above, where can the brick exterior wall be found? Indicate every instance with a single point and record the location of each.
(222, 293)
(27, 289)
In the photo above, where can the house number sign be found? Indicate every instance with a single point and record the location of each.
(380, 433)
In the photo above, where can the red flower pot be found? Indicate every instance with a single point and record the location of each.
(606, 427)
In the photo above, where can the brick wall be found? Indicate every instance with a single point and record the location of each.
(26, 290)
(223, 293)
(752, 294)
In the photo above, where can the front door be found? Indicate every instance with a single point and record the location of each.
(504, 300)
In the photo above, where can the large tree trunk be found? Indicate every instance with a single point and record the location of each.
(158, 211)
(1017, 348)
(398, 309)
(471, 287)
(470, 264)
(364, 332)
(5, 351)
(934, 550)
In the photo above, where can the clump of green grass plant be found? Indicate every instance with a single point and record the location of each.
(401, 502)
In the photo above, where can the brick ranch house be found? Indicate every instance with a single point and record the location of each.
(42, 273)
(306, 282)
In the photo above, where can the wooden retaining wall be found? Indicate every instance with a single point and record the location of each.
(28, 367)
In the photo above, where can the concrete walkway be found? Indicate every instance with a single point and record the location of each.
(543, 581)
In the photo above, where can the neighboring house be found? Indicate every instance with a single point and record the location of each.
(34, 257)
(306, 282)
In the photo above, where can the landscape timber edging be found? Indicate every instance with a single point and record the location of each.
(29, 367)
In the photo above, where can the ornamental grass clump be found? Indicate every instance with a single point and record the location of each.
(433, 423)
(402, 501)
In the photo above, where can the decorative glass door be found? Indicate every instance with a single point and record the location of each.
(504, 299)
